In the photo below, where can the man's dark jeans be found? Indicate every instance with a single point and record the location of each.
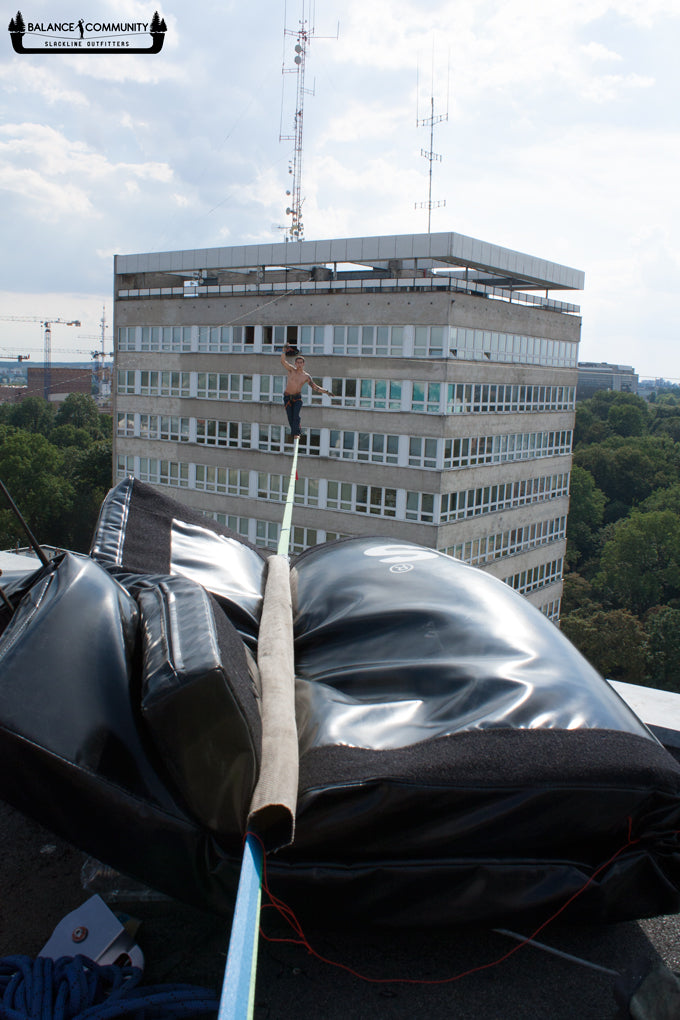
(293, 406)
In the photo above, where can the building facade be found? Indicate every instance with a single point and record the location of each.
(453, 374)
(62, 381)
(594, 376)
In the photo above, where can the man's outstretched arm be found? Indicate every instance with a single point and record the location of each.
(318, 389)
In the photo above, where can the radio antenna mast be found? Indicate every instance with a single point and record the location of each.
(429, 154)
(303, 35)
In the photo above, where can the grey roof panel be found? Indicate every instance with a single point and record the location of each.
(434, 250)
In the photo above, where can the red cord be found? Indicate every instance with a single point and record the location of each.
(288, 915)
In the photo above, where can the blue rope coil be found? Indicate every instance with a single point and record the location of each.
(77, 988)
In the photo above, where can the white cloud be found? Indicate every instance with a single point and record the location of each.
(44, 166)
(599, 52)
(47, 199)
(19, 78)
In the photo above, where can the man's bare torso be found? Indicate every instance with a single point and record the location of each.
(297, 378)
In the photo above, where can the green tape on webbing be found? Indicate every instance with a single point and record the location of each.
(284, 537)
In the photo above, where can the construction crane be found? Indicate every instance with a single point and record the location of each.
(47, 342)
(99, 356)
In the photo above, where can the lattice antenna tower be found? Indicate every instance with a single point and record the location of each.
(429, 154)
(303, 36)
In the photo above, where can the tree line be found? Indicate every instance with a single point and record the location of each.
(621, 604)
(56, 465)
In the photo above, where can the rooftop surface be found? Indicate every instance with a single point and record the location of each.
(466, 973)
(403, 253)
(40, 884)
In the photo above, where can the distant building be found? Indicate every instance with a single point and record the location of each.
(12, 394)
(62, 382)
(598, 375)
(453, 376)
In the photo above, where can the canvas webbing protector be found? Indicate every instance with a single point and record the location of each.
(272, 809)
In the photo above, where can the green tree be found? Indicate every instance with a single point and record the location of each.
(32, 414)
(81, 411)
(577, 593)
(662, 650)
(90, 476)
(627, 419)
(663, 499)
(65, 436)
(613, 641)
(669, 426)
(629, 469)
(586, 507)
(33, 472)
(640, 563)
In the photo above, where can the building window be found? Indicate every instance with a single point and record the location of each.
(422, 452)
(221, 386)
(126, 381)
(272, 487)
(551, 609)
(303, 538)
(267, 533)
(125, 425)
(429, 341)
(543, 574)
(163, 472)
(166, 427)
(271, 388)
(126, 338)
(376, 341)
(420, 507)
(311, 341)
(272, 438)
(362, 499)
(307, 491)
(176, 339)
(125, 466)
(279, 336)
(476, 398)
(426, 397)
(376, 394)
(226, 339)
(475, 450)
(214, 339)
(228, 481)
(310, 443)
(233, 434)
(480, 345)
(457, 506)
(487, 548)
(164, 384)
(240, 525)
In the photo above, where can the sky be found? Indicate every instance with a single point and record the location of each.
(560, 138)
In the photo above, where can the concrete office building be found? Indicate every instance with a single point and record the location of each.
(599, 375)
(453, 375)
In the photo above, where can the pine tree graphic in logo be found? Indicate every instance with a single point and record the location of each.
(104, 33)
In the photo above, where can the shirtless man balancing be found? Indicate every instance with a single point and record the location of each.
(292, 396)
